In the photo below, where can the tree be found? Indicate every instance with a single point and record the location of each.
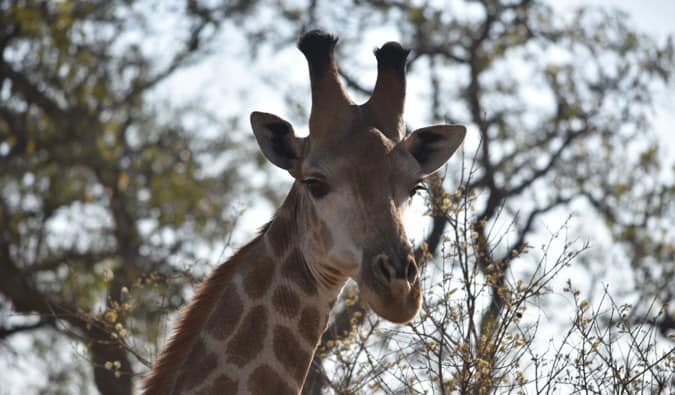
(105, 199)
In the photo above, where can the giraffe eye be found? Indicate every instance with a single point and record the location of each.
(317, 188)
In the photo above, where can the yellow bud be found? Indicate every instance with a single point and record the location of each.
(111, 316)
(595, 345)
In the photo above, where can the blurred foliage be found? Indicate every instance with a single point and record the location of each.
(109, 198)
(106, 198)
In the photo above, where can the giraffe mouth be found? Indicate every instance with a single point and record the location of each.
(399, 305)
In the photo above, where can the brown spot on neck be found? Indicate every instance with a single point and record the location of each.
(259, 277)
(226, 314)
(310, 325)
(264, 381)
(278, 235)
(196, 368)
(250, 337)
(291, 355)
(221, 385)
(286, 301)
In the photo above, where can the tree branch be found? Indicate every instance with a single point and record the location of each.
(7, 332)
(31, 92)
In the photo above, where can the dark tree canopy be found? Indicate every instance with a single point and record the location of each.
(104, 199)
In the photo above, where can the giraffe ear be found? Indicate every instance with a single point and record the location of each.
(432, 146)
(277, 140)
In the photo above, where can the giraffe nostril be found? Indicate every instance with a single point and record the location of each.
(384, 269)
(411, 271)
(383, 272)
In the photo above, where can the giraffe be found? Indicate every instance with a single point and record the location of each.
(255, 322)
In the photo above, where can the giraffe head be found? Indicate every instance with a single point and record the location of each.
(356, 173)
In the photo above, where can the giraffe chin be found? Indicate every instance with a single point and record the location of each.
(398, 304)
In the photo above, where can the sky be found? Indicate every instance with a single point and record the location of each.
(653, 16)
(657, 18)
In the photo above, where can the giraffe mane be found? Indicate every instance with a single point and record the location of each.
(161, 378)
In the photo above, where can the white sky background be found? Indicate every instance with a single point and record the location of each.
(657, 18)
(224, 81)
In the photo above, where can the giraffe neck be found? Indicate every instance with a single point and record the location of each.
(266, 310)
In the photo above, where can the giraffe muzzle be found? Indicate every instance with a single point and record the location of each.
(391, 287)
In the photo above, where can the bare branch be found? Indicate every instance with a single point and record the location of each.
(7, 332)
